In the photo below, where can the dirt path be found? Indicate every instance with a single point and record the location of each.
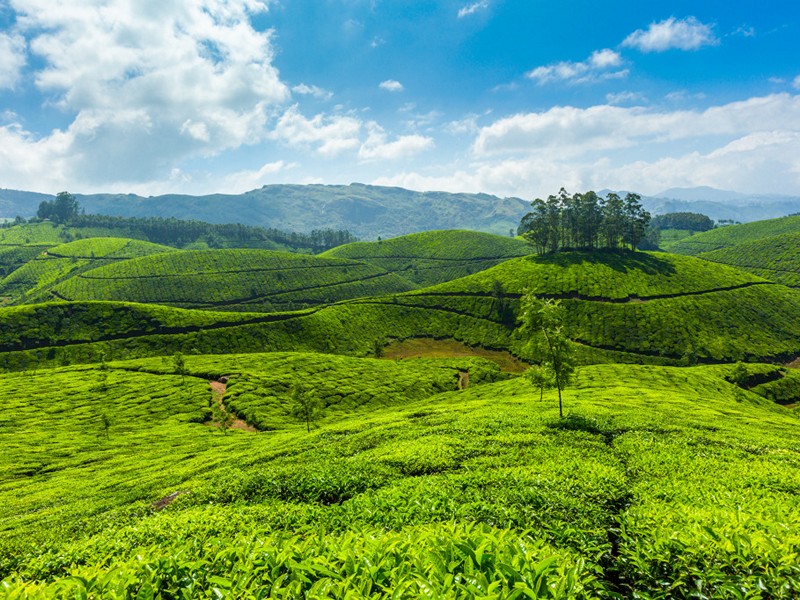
(218, 390)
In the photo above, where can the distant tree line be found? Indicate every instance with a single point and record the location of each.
(65, 209)
(585, 221)
(687, 221)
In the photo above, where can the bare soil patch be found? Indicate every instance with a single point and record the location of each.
(218, 389)
(431, 348)
(795, 364)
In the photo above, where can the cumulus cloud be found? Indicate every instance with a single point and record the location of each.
(391, 85)
(12, 59)
(751, 146)
(471, 9)
(602, 64)
(572, 131)
(683, 34)
(377, 146)
(796, 83)
(312, 90)
(147, 85)
(328, 135)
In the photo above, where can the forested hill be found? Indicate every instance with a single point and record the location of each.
(366, 211)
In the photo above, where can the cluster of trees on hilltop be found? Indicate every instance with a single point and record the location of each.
(687, 221)
(585, 221)
(65, 209)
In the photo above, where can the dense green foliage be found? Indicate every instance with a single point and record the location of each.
(435, 256)
(584, 221)
(776, 258)
(180, 233)
(247, 279)
(660, 482)
(731, 235)
(33, 281)
(13, 257)
(60, 210)
(686, 221)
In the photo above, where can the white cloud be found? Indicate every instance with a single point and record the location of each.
(596, 68)
(329, 135)
(390, 85)
(247, 180)
(751, 146)
(571, 131)
(796, 83)
(173, 80)
(312, 90)
(376, 147)
(471, 9)
(683, 34)
(625, 97)
(12, 59)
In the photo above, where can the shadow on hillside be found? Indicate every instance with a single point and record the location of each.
(619, 260)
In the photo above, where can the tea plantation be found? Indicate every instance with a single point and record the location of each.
(237, 279)
(776, 258)
(224, 424)
(433, 257)
(731, 235)
(660, 482)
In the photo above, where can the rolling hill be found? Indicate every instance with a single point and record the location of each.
(660, 482)
(622, 307)
(367, 211)
(243, 280)
(33, 281)
(434, 256)
(732, 235)
(776, 258)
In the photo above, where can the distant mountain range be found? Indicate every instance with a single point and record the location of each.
(371, 211)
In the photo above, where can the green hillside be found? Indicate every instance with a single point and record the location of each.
(661, 482)
(435, 256)
(621, 307)
(13, 257)
(731, 235)
(250, 280)
(33, 281)
(776, 258)
(42, 234)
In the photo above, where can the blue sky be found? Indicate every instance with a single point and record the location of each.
(514, 97)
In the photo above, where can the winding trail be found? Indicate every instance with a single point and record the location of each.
(218, 389)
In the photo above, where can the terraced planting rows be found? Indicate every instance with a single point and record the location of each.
(732, 235)
(661, 482)
(256, 280)
(33, 281)
(736, 317)
(435, 256)
(776, 258)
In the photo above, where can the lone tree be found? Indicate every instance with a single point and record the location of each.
(542, 322)
(305, 405)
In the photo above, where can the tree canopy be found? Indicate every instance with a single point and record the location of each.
(687, 221)
(64, 208)
(585, 221)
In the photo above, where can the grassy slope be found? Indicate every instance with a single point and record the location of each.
(661, 482)
(34, 280)
(232, 280)
(776, 258)
(731, 235)
(626, 307)
(435, 256)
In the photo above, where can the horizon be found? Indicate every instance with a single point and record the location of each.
(456, 96)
